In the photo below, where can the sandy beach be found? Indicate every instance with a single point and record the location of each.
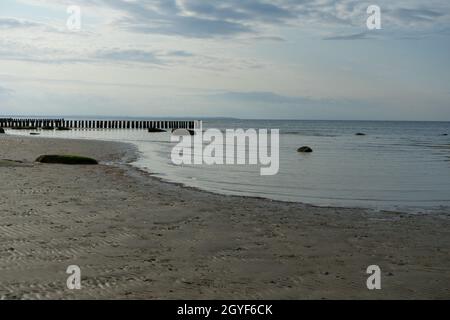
(135, 237)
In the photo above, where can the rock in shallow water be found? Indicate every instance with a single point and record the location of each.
(183, 132)
(305, 149)
(65, 159)
(360, 134)
(2, 130)
(155, 130)
(24, 128)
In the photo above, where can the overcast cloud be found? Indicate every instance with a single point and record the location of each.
(227, 57)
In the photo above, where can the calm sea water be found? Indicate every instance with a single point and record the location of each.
(397, 165)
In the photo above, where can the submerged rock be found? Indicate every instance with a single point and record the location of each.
(66, 159)
(360, 134)
(183, 132)
(34, 133)
(2, 130)
(24, 128)
(305, 149)
(155, 130)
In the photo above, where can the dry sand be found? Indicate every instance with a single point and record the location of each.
(134, 236)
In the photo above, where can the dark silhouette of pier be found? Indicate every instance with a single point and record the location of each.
(37, 123)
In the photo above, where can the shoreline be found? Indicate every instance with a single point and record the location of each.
(135, 154)
(151, 175)
(173, 241)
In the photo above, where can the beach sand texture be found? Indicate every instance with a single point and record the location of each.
(135, 237)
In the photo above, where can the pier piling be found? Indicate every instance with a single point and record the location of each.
(29, 123)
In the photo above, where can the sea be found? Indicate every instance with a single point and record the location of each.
(402, 166)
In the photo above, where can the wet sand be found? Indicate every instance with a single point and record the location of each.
(135, 237)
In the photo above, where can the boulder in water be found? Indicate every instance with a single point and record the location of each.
(2, 130)
(24, 128)
(305, 149)
(183, 132)
(155, 130)
(66, 159)
(360, 134)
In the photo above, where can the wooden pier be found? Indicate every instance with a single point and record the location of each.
(38, 123)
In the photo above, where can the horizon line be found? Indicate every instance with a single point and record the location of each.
(206, 118)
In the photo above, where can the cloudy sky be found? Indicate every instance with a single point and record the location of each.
(291, 59)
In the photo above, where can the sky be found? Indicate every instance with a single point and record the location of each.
(279, 59)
